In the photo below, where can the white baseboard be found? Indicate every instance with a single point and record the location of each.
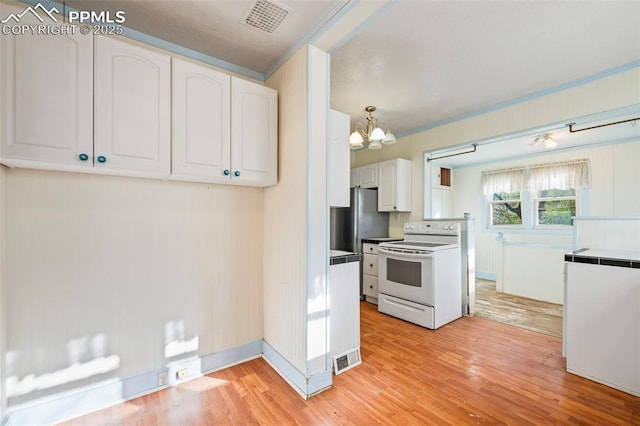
(68, 405)
(489, 276)
(305, 386)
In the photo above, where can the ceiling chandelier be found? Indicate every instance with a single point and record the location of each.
(373, 136)
(545, 140)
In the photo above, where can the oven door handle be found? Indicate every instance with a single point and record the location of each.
(421, 255)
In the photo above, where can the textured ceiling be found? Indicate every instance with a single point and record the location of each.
(216, 28)
(421, 62)
(425, 62)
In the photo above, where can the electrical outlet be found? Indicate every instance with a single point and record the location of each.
(163, 378)
(181, 374)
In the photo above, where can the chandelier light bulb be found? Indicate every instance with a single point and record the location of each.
(371, 136)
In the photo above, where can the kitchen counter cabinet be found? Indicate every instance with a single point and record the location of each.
(344, 304)
(602, 318)
(370, 272)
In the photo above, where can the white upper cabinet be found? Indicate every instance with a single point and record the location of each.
(201, 123)
(365, 176)
(47, 99)
(254, 134)
(132, 106)
(110, 106)
(338, 159)
(394, 185)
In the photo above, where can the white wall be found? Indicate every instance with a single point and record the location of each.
(285, 213)
(101, 267)
(295, 255)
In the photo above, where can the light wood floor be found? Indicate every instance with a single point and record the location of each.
(471, 371)
(543, 317)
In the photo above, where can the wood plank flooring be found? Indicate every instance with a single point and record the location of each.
(535, 315)
(471, 371)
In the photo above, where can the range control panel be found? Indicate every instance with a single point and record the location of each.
(432, 228)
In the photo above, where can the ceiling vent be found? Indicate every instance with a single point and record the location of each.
(266, 15)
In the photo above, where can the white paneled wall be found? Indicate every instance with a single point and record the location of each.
(285, 219)
(136, 272)
(533, 271)
(614, 233)
(3, 293)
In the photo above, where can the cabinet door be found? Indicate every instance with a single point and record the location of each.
(254, 134)
(338, 159)
(368, 176)
(394, 189)
(353, 178)
(370, 264)
(387, 186)
(370, 285)
(201, 123)
(132, 108)
(47, 99)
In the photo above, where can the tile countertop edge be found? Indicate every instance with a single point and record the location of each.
(622, 259)
(344, 258)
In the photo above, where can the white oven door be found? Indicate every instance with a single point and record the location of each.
(406, 274)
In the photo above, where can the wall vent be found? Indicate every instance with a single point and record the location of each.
(346, 360)
(266, 15)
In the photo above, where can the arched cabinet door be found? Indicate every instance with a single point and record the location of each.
(201, 123)
(254, 134)
(132, 108)
(46, 98)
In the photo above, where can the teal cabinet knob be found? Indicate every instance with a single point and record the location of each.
(226, 172)
(101, 159)
(83, 157)
(236, 173)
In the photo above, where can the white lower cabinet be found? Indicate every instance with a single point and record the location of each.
(132, 107)
(370, 272)
(201, 131)
(344, 305)
(602, 323)
(47, 99)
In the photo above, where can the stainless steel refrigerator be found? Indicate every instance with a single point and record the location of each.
(350, 225)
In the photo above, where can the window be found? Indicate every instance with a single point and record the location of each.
(543, 196)
(506, 209)
(555, 207)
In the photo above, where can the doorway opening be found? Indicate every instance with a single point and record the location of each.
(530, 314)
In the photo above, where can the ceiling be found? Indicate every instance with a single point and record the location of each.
(421, 63)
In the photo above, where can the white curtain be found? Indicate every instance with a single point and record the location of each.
(562, 175)
(505, 180)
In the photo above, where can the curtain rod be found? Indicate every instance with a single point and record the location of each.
(600, 125)
(475, 147)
